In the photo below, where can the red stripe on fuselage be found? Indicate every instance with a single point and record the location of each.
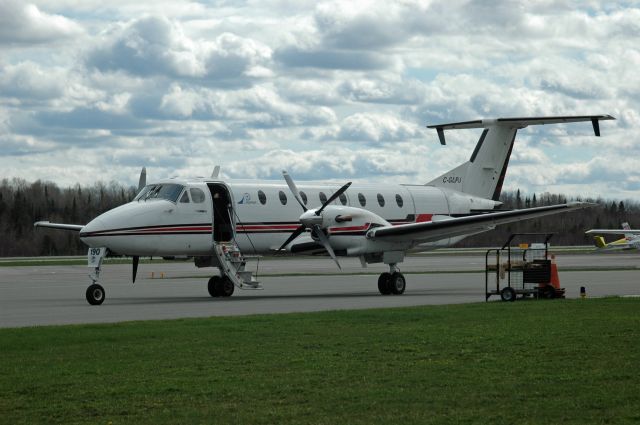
(421, 218)
(246, 228)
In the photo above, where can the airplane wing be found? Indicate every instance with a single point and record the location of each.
(444, 228)
(74, 227)
(612, 232)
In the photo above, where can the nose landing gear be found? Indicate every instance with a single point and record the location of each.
(95, 293)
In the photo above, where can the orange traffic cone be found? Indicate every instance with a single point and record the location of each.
(555, 279)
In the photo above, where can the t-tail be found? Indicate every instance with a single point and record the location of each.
(484, 173)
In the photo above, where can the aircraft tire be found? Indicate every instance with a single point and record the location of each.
(384, 283)
(397, 283)
(226, 287)
(508, 294)
(214, 286)
(95, 294)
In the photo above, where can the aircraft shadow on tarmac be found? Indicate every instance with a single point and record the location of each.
(258, 298)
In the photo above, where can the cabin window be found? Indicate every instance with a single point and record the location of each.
(380, 200)
(362, 199)
(323, 198)
(262, 197)
(343, 199)
(283, 198)
(142, 193)
(185, 198)
(304, 197)
(197, 195)
(169, 191)
(399, 201)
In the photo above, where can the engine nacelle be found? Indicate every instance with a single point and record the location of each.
(347, 228)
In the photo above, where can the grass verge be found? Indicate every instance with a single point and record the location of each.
(572, 361)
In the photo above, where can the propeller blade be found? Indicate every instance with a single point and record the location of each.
(333, 197)
(292, 236)
(143, 179)
(136, 260)
(293, 189)
(325, 242)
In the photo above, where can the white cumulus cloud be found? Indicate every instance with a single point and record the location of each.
(25, 23)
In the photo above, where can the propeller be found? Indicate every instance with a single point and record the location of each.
(293, 189)
(312, 219)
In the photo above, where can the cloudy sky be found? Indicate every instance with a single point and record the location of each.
(94, 90)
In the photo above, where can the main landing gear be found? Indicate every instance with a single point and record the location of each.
(220, 286)
(392, 282)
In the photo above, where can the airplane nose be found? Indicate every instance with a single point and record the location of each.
(94, 226)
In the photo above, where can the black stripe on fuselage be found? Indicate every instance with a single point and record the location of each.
(142, 230)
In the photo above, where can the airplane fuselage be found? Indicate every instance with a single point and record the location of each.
(259, 214)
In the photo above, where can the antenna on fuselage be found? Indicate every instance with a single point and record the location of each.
(216, 172)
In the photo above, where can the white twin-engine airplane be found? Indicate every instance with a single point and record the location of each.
(631, 238)
(218, 221)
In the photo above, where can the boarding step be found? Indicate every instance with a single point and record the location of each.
(251, 287)
(247, 277)
(230, 253)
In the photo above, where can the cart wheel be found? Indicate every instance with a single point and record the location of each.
(549, 292)
(508, 294)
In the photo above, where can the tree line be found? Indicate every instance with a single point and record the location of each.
(568, 228)
(23, 203)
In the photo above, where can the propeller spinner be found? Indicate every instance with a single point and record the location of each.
(312, 219)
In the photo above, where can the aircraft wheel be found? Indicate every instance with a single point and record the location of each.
(508, 294)
(95, 294)
(397, 283)
(214, 286)
(226, 287)
(384, 285)
(549, 292)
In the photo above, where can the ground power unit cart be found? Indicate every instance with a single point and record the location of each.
(525, 270)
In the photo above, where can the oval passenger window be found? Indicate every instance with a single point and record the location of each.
(362, 199)
(283, 198)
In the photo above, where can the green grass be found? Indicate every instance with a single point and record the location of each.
(572, 361)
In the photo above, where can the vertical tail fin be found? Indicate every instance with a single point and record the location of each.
(484, 173)
(599, 242)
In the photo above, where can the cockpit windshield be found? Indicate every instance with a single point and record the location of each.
(168, 191)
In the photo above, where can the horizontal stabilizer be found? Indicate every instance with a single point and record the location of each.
(74, 227)
(521, 122)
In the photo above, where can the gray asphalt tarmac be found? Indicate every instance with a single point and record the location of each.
(50, 295)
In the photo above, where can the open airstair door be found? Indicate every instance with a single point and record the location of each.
(223, 226)
(231, 261)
